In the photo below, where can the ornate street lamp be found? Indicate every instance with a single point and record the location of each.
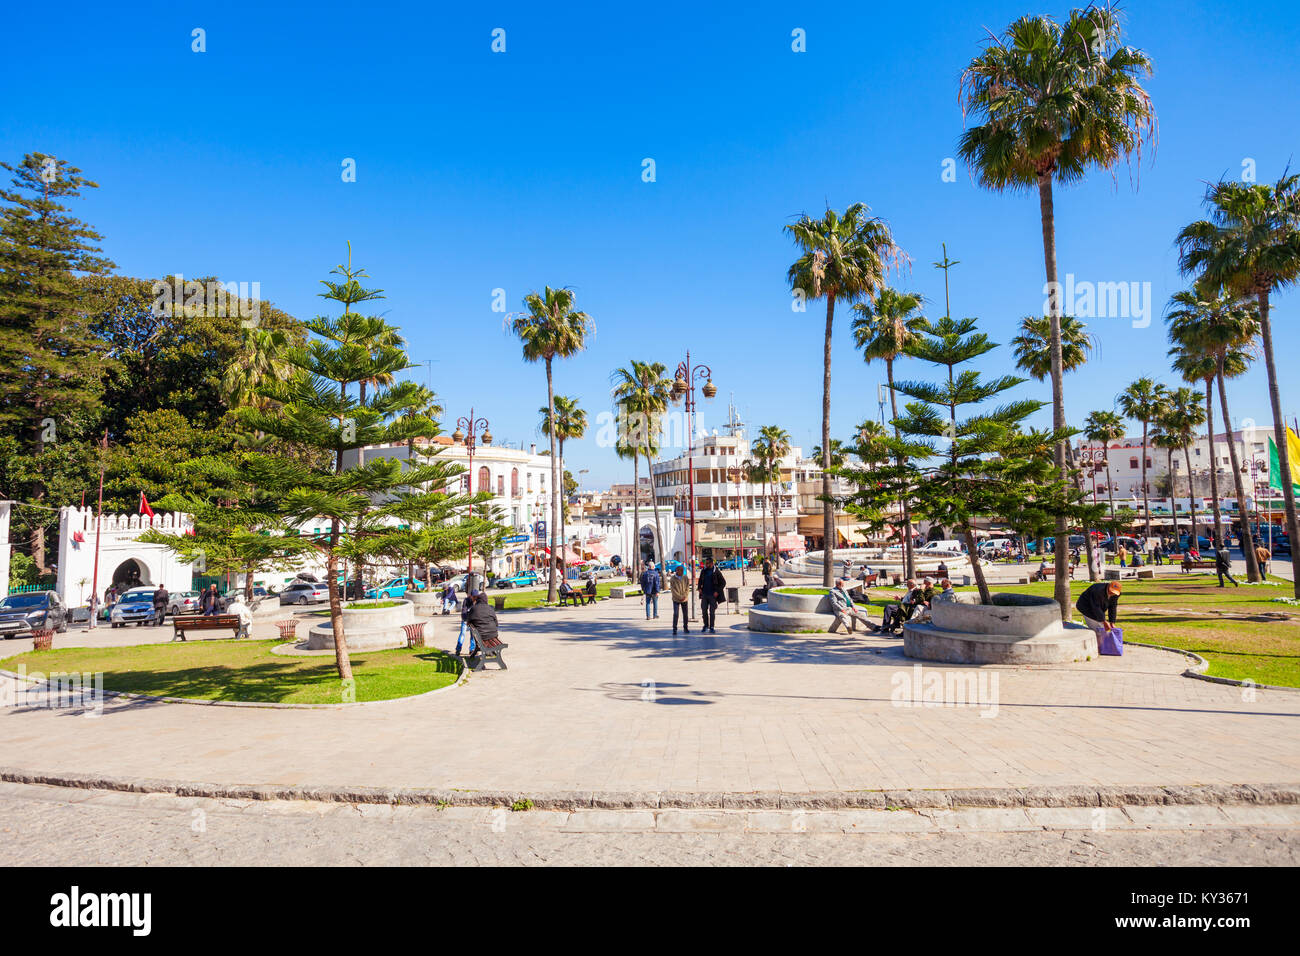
(684, 387)
(467, 437)
(735, 475)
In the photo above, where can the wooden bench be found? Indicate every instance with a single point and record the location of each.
(486, 650)
(210, 622)
(1201, 565)
(1145, 572)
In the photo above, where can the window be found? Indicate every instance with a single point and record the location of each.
(1148, 462)
(514, 482)
(484, 479)
(1132, 462)
(501, 485)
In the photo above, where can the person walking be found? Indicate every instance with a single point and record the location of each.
(651, 584)
(712, 592)
(681, 593)
(208, 602)
(160, 598)
(767, 572)
(93, 606)
(1122, 552)
(1223, 567)
(1262, 555)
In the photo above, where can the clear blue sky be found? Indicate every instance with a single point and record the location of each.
(478, 171)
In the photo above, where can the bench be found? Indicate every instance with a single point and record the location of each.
(1145, 572)
(211, 622)
(1201, 565)
(486, 650)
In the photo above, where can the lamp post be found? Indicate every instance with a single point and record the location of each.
(684, 387)
(734, 474)
(471, 425)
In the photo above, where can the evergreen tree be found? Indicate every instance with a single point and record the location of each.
(49, 356)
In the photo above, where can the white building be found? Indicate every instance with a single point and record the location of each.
(517, 478)
(124, 560)
(1125, 456)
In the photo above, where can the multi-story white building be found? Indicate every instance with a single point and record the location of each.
(1123, 476)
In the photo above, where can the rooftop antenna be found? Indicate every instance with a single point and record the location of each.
(734, 424)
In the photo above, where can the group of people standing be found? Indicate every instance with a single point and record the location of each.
(711, 586)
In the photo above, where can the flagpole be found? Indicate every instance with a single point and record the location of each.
(99, 514)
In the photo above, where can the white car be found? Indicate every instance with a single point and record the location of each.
(304, 592)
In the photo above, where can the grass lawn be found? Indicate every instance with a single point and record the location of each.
(247, 670)
(1241, 631)
(786, 590)
(516, 600)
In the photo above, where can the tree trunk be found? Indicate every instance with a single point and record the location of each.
(1173, 498)
(659, 528)
(828, 507)
(341, 659)
(909, 557)
(977, 569)
(1247, 537)
(551, 590)
(1214, 460)
(636, 513)
(1279, 433)
(564, 538)
(1110, 493)
(1146, 503)
(1191, 498)
(1048, 215)
(1090, 547)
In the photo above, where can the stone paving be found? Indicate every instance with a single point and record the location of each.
(598, 699)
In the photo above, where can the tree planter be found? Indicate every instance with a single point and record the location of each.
(42, 639)
(426, 603)
(1014, 629)
(367, 628)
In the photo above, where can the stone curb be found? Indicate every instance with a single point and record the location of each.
(1200, 665)
(1029, 797)
(265, 705)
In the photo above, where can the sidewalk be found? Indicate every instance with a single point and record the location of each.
(598, 699)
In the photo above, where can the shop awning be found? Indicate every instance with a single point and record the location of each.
(790, 542)
(726, 543)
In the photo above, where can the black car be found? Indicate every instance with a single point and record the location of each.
(20, 614)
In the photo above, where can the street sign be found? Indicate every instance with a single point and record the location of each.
(515, 539)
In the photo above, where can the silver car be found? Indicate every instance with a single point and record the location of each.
(183, 602)
(304, 592)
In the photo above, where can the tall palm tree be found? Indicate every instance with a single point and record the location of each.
(776, 441)
(757, 472)
(1250, 246)
(1142, 402)
(259, 359)
(1188, 317)
(884, 328)
(1053, 100)
(1033, 350)
(570, 422)
(1164, 434)
(551, 328)
(644, 390)
(1104, 428)
(1185, 414)
(844, 259)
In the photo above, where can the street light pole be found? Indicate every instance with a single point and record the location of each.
(471, 425)
(740, 526)
(684, 387)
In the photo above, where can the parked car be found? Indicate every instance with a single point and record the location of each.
(606, 571)
(671, 566)
(521, 580)
(942, 547)
(133, 607)
(20, 614)
(304, 592)
(1203, 543)
(1130, 544)
(183, 602)
(393, 588)
(259, 593)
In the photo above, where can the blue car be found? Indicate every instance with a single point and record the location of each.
(392, 588)
(521, 580)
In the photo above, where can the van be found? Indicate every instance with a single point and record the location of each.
(947, 545)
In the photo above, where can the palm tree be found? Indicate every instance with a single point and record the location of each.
(757, 471)
(1054, 100)
(570, 422)
(776, 443)
(1183, 417)
(551, 329)
(1187, 318)
(258, 360)
(1250, 246)
(885, 327)
(1165, 435)
(644, 389)
(844, 259)
(1033, 351)
(1104, 428)
(1142, 402)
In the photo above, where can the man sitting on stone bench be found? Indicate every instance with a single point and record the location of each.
(898, 614)
(845, 611)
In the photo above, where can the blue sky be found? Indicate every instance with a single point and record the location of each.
(479, 170)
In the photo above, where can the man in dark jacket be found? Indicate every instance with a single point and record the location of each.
(160, 598)
(470, 601)
(651, 585)
(482, 621)
(713, 590)
(1099, 605)
(1223, 565)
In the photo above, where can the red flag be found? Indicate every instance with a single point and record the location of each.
(144, 506)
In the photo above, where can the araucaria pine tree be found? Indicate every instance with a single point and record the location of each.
(958, 469)
(376, 509)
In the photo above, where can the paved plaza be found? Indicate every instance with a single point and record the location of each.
(597, 700)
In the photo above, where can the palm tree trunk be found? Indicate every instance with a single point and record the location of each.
(1191, 498)
(1048, 215)
(1089, 547)
(636, 513)
(659, 528)
(551, 589)
(1214, 460)
(909, 557)
(564, 538)
(1247, 538)
(828, 508)
(1146, 503)
(1279, 431)
(1173, 498)
(1110, 493)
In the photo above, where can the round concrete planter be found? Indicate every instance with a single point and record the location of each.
(426, 603)
(366, 628)
(782, 599)
(881, 561)
(1014, 629)
(788, 613)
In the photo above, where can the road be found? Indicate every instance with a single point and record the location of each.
(51, 826)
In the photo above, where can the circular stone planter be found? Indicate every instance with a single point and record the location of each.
(1014, 629)
(788, 613)
(426, 603)
(366, 628)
